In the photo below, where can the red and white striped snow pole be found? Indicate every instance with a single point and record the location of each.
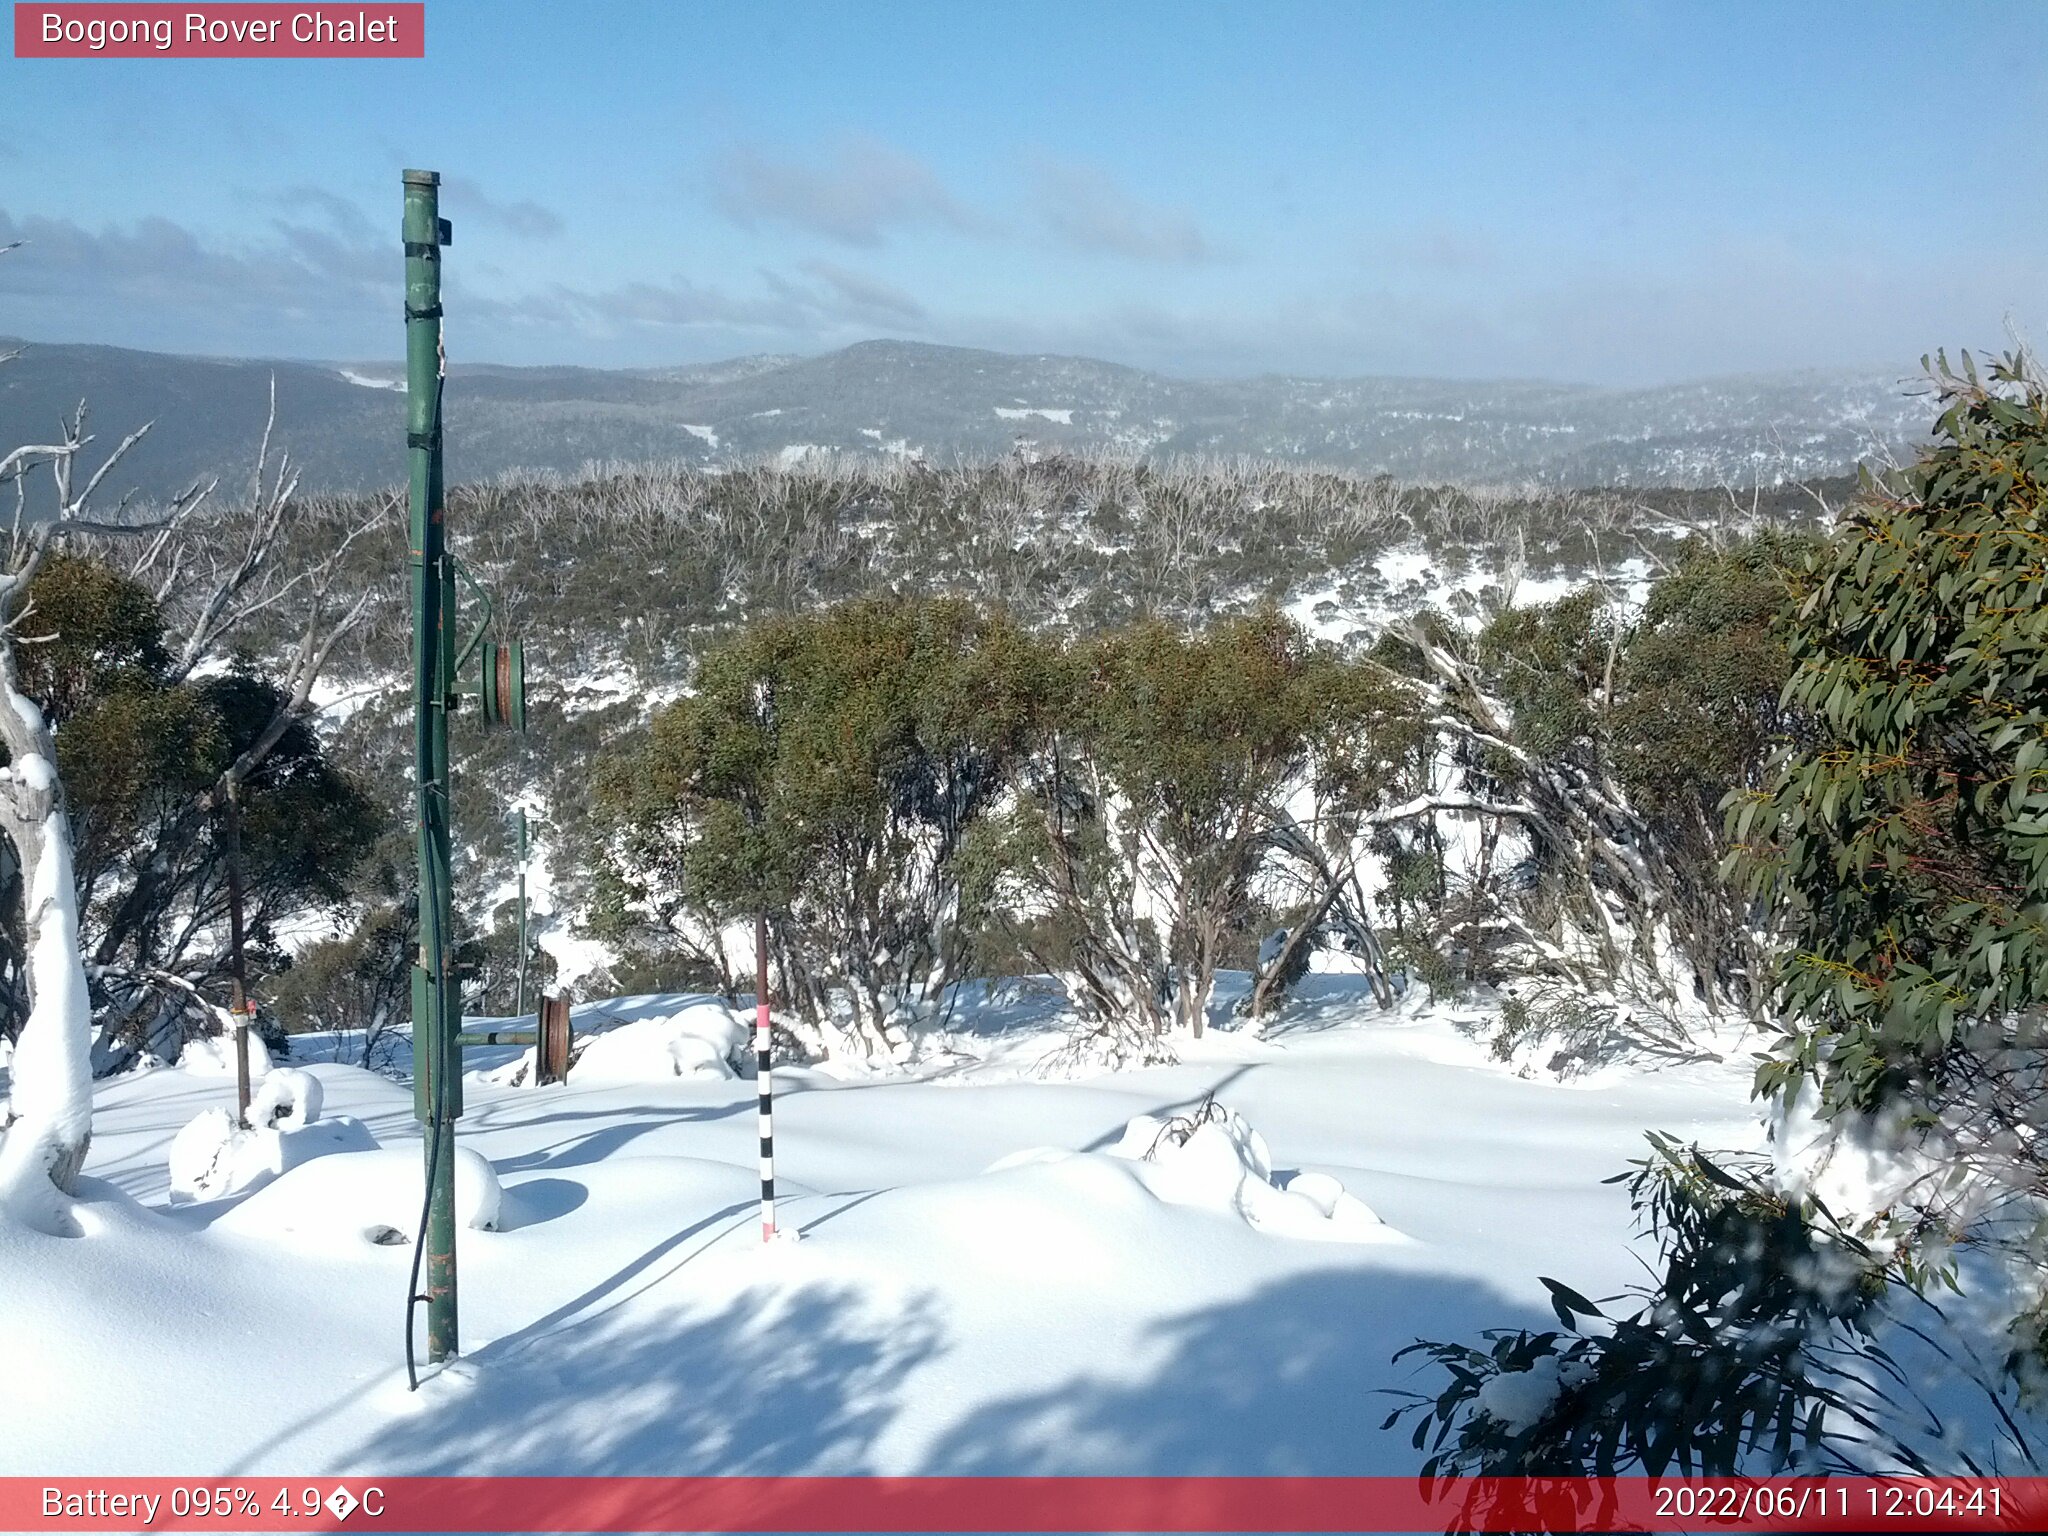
(763, 1082)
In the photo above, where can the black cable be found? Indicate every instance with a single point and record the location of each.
(438, 1110)
(419, 1250)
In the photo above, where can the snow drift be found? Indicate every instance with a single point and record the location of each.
(694, 1041)
(371, 1195)
(212, 1157)
(1212, 1159)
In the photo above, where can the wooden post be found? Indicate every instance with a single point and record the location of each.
(238, 987)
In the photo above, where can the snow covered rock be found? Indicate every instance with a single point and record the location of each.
(695, 1041)
(287, 1100)
(369, 1196)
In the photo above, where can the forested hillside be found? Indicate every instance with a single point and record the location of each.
(622, 586)
(895, 399)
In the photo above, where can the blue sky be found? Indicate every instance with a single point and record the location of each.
(1605, 192)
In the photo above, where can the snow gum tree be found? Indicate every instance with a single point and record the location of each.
(1700, 711)
(827, 770)
(1908, 845)
(141, 752)
(49, 1115)
(1148, 812)
(1370, 752)
(1568, 838)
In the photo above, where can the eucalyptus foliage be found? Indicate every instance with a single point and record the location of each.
(1897, 852)
(1907, 847)
(824, 773)
(141, 752)
(1754, 1350)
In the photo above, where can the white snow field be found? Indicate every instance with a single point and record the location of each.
(992, 1276)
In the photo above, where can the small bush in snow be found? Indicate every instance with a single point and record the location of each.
(285, 1100)
(1754, 1352)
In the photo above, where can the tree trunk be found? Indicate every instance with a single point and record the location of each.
(238, 970)
(51, 1100)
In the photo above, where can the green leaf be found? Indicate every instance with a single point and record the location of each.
(1568, 1302)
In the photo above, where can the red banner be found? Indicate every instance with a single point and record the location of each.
(1016, 1504)
(232, 31)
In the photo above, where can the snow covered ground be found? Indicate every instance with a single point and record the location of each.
(1078, 1309)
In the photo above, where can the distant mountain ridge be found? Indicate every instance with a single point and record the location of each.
(343, 423)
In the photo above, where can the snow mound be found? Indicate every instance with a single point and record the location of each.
(204, 1155)
(214, 1055)
(1214, 1160)
(213, 1157)
(695, 1041)
(371, 1196)
(287, 1100)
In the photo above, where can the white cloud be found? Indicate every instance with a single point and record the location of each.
(1086, 209)
(855, 192)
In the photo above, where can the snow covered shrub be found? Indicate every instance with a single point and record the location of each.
(1555, 1027)
(285, 1100)
(1754, 1352)
(203, 1155)
(1211, 1159)
(1418, 954)
(1571, 1029)
(212, 1157)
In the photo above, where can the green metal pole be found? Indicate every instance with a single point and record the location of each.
(436, 1002)
(519, 999)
